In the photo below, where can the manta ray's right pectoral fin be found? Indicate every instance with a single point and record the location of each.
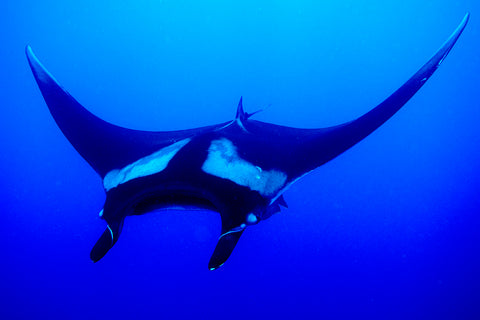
(106, 240)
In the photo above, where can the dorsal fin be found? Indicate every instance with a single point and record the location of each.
(241, 116)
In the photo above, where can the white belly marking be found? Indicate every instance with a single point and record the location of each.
(224, 162)
(149, 165)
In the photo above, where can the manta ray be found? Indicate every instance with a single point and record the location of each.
(239, 168)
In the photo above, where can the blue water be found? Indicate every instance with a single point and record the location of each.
(388, 230)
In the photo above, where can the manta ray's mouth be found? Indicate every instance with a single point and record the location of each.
(152, 203)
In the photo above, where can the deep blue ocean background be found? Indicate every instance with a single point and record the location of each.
(388, 230)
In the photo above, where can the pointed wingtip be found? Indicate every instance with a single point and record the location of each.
(42, 75)
(30, 55)
(456, 33)
(462, 25)
(465, 19)
(32, 58)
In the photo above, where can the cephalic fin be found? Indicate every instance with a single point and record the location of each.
(106, 241)
(224, 248)
(232, 228)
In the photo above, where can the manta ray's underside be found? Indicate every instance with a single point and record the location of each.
(239, 168)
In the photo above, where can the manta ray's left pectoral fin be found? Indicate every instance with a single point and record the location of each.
(224, 248)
